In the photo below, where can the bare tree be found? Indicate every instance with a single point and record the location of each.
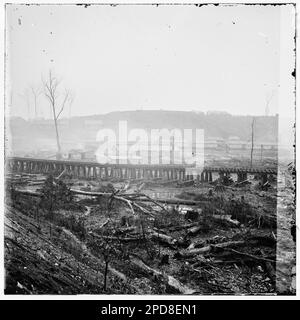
(252, 140)
(57, 101)
(36, 92)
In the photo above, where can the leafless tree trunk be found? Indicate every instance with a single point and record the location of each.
(36, 93)
(51, 91)
(252, 140)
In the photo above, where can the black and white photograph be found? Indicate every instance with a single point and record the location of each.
(149, 149)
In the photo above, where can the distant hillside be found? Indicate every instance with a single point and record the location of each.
(77, 129)
(214, 125)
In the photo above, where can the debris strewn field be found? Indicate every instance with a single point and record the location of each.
(64, 236)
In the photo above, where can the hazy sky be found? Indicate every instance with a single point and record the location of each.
(147, 57)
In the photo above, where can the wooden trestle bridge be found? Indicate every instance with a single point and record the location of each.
(94, 170)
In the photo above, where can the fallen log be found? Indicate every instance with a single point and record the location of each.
(163, 238)
(15, 182)
(180, 227)
(155, 202)
(208, 248)
(242, 182)
(35, 183)
(153, 235)
(132, 204)
(143, 209)
(123, 239)
(28, 193)
(194, 230)
(169, 280)
(124, 197)
(250, 255)
(226, 218)
(193, 252)
(90, 193)
(196, 244)
(231, 257)
(181, 201)
(229, 244)
(117, 273)
(126, 201)
(61, 174)
(168, 201)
